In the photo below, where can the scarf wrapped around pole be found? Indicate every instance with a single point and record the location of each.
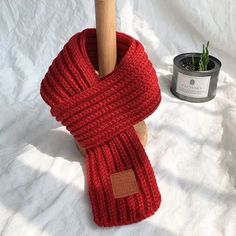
(100, 113)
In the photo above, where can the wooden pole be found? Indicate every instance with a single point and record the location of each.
(106, 35)
(107, 54)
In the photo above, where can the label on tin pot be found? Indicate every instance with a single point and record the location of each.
(193, 86)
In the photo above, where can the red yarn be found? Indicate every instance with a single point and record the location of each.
(100, 114)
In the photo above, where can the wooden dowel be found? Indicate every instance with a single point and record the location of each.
(107, 54)
(106, 35)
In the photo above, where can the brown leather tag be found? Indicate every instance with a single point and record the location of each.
(124, 183)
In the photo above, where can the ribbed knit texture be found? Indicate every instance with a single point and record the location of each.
(100, 114)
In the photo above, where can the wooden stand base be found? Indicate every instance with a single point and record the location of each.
(141, 130)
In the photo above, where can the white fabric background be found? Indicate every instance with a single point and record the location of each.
(191, 146)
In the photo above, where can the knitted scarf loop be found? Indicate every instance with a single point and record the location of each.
(100, 113)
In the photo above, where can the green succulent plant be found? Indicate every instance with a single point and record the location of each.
(204, 59)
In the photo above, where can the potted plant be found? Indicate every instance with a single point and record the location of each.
(195, 76)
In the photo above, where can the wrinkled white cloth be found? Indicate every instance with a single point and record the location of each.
(192, 147)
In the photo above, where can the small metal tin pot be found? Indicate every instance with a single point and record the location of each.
(195, 86)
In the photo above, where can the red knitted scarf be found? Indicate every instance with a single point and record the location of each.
(100, 114)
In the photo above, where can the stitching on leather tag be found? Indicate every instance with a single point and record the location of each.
(124, 183)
